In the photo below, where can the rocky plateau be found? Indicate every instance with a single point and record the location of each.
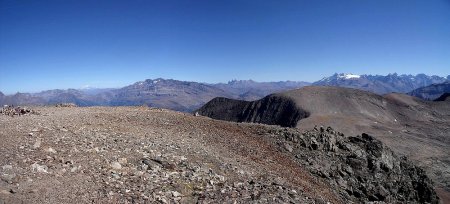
(152, 155)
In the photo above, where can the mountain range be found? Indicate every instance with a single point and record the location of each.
(381, 84)
(162, 93)
(188, 96)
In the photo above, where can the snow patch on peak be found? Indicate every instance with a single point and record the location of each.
(139, 83)
(349, 76)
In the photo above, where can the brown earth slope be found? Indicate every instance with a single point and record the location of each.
(409, 126)
(137, 154)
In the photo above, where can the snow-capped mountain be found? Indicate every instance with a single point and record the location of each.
(381, 84)
(349, 76)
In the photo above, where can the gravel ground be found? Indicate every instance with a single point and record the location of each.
(145, 155)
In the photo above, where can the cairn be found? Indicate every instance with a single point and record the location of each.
(10, 110)
(66, 105)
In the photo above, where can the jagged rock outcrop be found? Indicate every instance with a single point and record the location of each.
(272, 110)
(360, 168)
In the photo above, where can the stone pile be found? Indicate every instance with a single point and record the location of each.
(12, 111)
(66, 105)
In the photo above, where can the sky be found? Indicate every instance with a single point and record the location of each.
(106, 43)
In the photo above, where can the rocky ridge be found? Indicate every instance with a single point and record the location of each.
(361, 168)
(408, 125)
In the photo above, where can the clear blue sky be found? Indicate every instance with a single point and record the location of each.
(70, 44)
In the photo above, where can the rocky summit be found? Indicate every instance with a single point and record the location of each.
(151, 155)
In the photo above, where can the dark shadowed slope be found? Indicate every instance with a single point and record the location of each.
(272, 110)
(443, 97)
(408, 125)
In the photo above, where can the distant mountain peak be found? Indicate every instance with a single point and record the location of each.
(235, 81)
(153, 81)
(149, 82)
(339, 76)
(348, 76)
(393, 74)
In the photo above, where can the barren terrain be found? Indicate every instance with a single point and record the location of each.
(409, 126)
(73, 155)
(140, 154)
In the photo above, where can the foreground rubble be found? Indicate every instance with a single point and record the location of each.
(143, 155)
(360, 168)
